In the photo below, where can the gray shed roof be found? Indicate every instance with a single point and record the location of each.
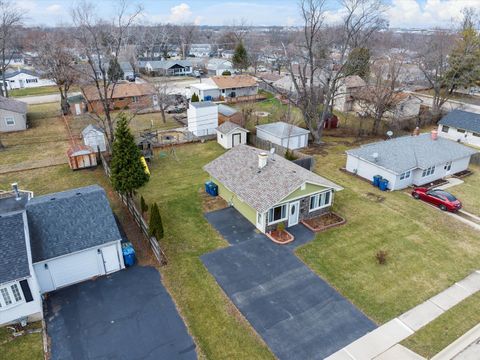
(227, 127)
(92, 127)
(410, 152)
(226, 110)
(69, 221)
(282, 130)
(460, 119)
(13, 105)
(14, 248)
(238, 170)
(202, 104)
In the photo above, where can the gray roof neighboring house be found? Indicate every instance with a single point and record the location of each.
(226, 110)
(238, 170)
(69, 221)
(167, 64)
(13, 247)
(10, 74)
(282, 130)
(13, 105)
(409, 152)
(216, 64)
(202, 104)
(126, 66)
(227, 127)
(460, 119)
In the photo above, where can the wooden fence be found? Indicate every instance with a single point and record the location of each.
(137, 216)
(305, 161)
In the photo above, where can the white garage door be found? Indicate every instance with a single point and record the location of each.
(74, 268)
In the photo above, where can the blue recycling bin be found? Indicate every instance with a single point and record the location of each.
(128, 253)
(211, 188)
(383, 185)
(376, 180)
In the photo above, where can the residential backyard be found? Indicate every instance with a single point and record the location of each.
(425, 253)
(25, 347)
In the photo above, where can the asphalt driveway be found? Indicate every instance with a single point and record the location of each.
(298, 314)
(126, 315)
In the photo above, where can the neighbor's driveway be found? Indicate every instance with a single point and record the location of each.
(126, 315)
(297, 313)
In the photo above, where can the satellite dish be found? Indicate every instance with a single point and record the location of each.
(375, 156)
(389, 133)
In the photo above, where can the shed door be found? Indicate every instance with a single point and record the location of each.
(236, 139)
(86, 161)
(74, 268)
(78, 111)
(110, 258)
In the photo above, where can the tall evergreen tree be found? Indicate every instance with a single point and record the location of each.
(127, 172)
(155, 226)
(195, 98)
(240, 57)
(143, 205)
(115, 72)
(358, 63)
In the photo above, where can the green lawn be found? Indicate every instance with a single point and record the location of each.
(469, 191)
(45, 139)
(42, 90)
(219, 329)
(448, 327)
(426, 253)
(26, 347)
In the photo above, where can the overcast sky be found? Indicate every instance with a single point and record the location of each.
(401, 13)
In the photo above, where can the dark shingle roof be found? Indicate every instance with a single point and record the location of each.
(69, 221)
(460, 119)
(14, 263)
(410, 152)
(13, 105)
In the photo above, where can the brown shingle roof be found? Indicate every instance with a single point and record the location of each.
(237, 169)
(121, 90)
(235, 81)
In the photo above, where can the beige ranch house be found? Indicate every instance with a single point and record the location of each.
(269, 190)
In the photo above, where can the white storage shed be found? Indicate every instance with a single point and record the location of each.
(202, 118)
(94, 137)
(230, 135)
(283, 134)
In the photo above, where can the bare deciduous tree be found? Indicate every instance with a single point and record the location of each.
(57, 61)
(164, 98)
(187, 33)
(11, 19)
(101, 43)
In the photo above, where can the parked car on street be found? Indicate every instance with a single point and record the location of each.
(444, 200)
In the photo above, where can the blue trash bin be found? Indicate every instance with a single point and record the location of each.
(383, 185)
(208, 187)
(376, 180)
(214, 190)
(128, 253)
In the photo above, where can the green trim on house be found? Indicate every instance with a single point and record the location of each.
(242, 207)
(299, 193)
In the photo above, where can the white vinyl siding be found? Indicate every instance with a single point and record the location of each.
(320, 200)
(10, 121)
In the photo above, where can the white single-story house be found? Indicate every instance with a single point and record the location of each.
(94, 137)
(409, 160)
(13, 115)
(170, 67)
(219, 66)
(230, 134)
(205, 91)
(461, 126)
(23, 78)
(202, 118)
(287, 135)
(268, 191)
(52, 241)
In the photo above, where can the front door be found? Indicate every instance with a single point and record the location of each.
(236, 139)
(110, 258)
(293, 214)
(22, 84)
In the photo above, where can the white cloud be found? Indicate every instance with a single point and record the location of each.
(441, 13)
(180, 13)
(54, 9)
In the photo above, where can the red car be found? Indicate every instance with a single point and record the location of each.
(444, 200)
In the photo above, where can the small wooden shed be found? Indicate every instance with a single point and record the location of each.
(81, 157)
(94, 137)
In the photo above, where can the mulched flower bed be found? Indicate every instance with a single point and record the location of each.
(434, 184)
(280, 237)
(462, 174)
(323, 222)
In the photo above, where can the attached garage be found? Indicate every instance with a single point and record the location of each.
(74, 237)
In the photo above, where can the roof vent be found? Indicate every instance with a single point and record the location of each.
(375, 157)
(52, 199)
(262, 160)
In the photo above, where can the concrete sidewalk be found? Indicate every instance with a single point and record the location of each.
(467, 347)
(385, 339)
